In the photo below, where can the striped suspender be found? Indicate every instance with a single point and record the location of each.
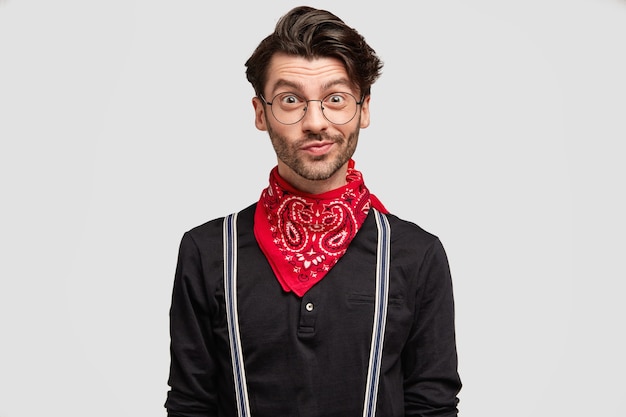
(380, 313)
(378, 330)
(230, 292)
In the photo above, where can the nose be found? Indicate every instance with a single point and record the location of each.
(314, 119)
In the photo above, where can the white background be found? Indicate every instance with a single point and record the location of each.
(497, 125)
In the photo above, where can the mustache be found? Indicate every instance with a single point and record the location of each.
(319, 137)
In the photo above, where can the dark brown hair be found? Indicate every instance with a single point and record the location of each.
(312, 33)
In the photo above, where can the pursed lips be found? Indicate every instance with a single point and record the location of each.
(317, 147)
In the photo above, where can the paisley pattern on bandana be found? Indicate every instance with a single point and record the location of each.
(304, 235)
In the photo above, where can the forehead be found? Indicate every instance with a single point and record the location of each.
(305, 75)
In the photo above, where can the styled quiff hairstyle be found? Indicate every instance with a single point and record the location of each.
(312, 33)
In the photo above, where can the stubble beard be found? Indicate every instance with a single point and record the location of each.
(316, 168)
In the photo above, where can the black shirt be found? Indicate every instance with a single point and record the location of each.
(308, 357)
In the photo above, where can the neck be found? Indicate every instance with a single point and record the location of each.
(338, 179)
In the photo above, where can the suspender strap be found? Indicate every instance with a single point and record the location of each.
(378, 330)
(380, 313)
(230, 292)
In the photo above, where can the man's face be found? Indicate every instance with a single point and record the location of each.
(313, 149)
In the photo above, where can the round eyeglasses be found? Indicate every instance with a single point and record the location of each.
(289, 108)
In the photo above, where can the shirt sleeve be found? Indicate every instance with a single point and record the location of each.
(192, 367)
(432, 382)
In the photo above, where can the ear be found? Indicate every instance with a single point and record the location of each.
(259, 114)
(365, 112)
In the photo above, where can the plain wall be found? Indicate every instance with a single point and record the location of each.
(496, 125)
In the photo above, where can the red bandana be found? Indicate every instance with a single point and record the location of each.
(304, 235)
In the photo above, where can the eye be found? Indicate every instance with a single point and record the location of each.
(289, 99)
(336, 100)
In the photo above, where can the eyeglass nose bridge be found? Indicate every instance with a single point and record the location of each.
(306, 109)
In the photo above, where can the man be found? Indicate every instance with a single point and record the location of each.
(314, 301)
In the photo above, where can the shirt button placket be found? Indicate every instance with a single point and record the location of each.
(308, 316)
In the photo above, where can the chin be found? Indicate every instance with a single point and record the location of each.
(318, 171)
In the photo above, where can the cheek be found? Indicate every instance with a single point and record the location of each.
(286, 133)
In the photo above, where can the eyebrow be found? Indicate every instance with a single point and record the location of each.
(299, 86)
(285, 83)
(340, 81)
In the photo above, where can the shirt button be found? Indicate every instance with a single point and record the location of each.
(309, 306)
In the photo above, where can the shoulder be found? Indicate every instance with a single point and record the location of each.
(210, 233)
(413, 245)
(407, 231)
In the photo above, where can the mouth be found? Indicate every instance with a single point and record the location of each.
(318, 148)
